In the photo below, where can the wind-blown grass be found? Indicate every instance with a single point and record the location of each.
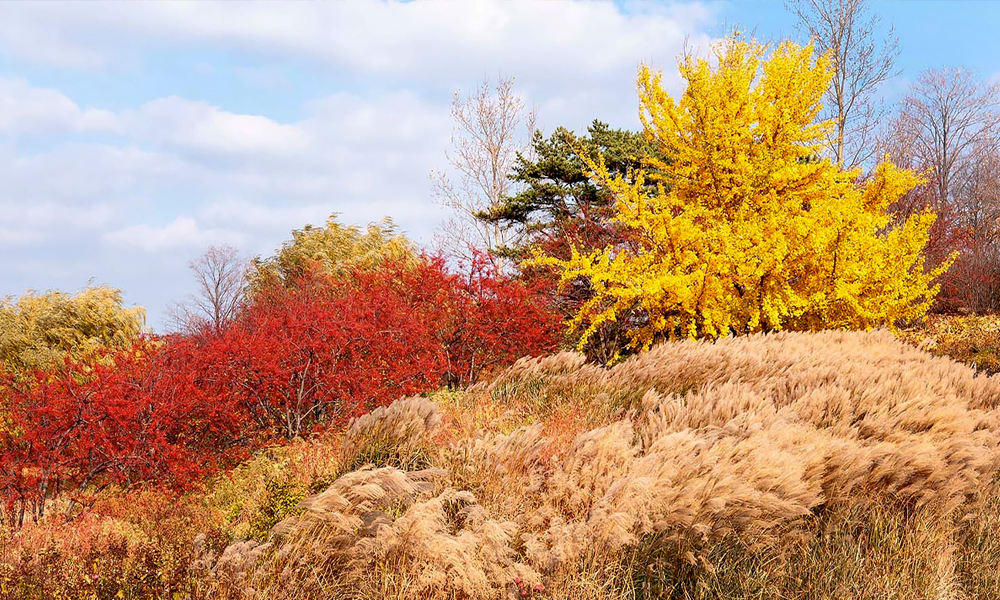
(805, 466)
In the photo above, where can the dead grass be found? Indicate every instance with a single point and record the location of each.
(794, 466)
(832, 465)
(971, 339)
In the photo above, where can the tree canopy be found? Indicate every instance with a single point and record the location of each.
(37, 330)
(334, 249)
(560, 201)
(746, 229)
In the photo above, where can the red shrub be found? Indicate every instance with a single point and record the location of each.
(121, 417)
(486, 319)
(327, 349)
(323, 349)
(317, 352)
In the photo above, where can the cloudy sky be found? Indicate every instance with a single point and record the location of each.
(135, 135)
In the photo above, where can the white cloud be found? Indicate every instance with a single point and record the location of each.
(350, 154)
(182, 232)
(35, 217)
(362, 157)
(187, 124)
(385, 121)
(23, 31)
(10, 236)
(29, 110)
(174, 174)
(87, 174)
(256, 216)
(449, 40)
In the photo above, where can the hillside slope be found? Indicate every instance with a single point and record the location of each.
(824, 465)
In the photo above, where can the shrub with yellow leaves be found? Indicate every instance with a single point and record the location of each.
(748, 228)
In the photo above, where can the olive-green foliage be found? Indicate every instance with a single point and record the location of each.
(37, 330)
(334, 249)
(559, 197)
(281, 500)
(257, 494)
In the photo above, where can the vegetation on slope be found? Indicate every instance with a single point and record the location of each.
(971, 339)
(824, 465)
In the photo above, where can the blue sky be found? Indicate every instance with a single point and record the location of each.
(135, 135)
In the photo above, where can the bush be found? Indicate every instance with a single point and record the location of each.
(750, 229)
(322, 350)
(971, 339)
(134, 546)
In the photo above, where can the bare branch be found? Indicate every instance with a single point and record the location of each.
(941, 122)
(861, 64)
(220, 275)
(485, 144)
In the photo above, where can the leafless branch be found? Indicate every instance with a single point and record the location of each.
(485, 144)
(220, 274)
(861, 63)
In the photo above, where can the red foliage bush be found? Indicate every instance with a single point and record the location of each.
(326, 349)
(120, 417)
(317, 352)
(972, 284)
(322, 350)
(485, 319)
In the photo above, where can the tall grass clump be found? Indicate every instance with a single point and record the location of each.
(824, 465)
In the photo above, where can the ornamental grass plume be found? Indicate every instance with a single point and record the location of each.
(697, 464)
(372, 523)
(396, 434)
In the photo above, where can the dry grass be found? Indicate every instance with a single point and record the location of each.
(824, 465)
(792, 466)
(130, 547)
(971, 339)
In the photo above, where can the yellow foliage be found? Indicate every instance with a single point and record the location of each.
(334, 248)
(37, 330)
(749, 229)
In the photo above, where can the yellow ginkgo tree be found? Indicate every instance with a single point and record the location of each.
(749, 229)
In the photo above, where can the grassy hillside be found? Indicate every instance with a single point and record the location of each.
(970, 339)
(812, 466)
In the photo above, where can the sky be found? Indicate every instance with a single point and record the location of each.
(133, 136)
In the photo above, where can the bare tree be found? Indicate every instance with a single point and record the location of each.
(948, 127)
(861, 63)
(485, 144)
(947, 112)
(220, 275)
(977, 185)
(976, 201)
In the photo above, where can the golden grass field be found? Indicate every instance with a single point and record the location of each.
(834, 465)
